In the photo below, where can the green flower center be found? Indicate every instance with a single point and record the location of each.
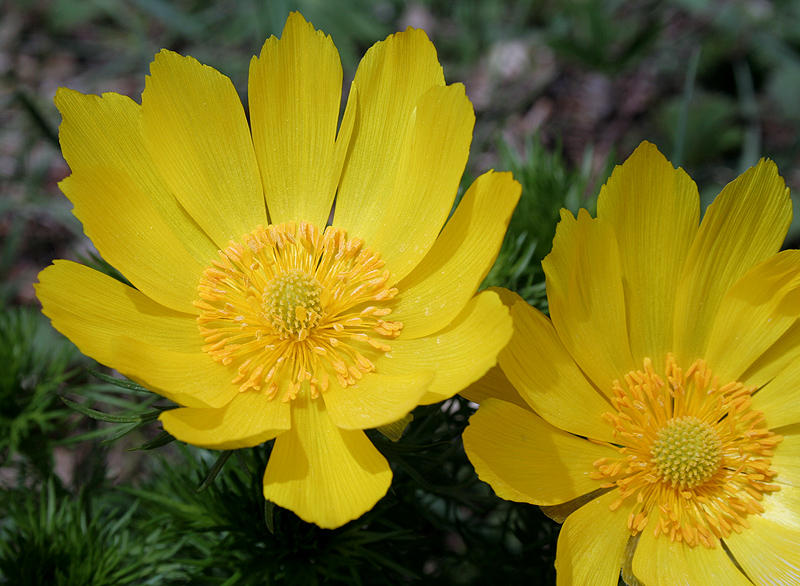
(292, 300)
(686, 452)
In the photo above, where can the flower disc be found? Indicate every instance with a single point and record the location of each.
(290, 305)
(694, 453)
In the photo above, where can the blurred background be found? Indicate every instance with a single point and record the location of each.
(563, 90)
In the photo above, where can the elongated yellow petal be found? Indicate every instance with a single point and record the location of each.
(661, 562)
(507, 296)
(587, 304)
(390, 80)
(546, 376)
(494, 385)
(345, 135)
(248, 420)
(746, 224)
(105, 132)
(375, 400)
(768, 552)
(591, 544)
(326, 475)
(191, 379)
(787, 457)
(294, 94)
(655, 211)
(459, 354)
(91, 308)
(409, 148)
(781, 357)
(781, 507)
(525, 459)
(124, 329)
(754, 314)
(779, 399)
(133, 237)
(196, 133)
(437, 289)
(432, 157)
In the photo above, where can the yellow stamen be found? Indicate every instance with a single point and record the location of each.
(288, 306)
(694, 453)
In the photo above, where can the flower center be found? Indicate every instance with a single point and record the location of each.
(694, 456)
(686, 452)
(292, 300)
(290, 307)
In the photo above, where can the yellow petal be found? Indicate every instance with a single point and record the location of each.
(768, 552)
(343, 138)
(546, 376)
(591, 544)
(779, 399)
(786, 460)
(191, 379)
(375, 400)
(410, 144)
(781, 507)
(781, 356)
(131, 235)
(248, 420)
(459, 354)
(745, 225)
(559, 513)
(754, 314)
(661, 562)
(587, 305)
(196, 133)
(390, 80)
(431, 161)
(437, 289)
(524, 458)
(91, 309)
(326, 475)
(655, 211)
(106, 132)
(294, 95)
(126, 330)
(507, 296)
(394, 430)
(493, 385)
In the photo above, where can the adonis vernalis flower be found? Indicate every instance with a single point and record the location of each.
(256, 313)
(659, 410)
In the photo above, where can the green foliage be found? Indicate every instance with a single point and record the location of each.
(712, 121)
(605, 36)
(241, 539)
(124, 395)
(51, 539)
(36, 363)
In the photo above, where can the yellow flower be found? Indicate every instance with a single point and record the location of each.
(660, 408)
(250, 313)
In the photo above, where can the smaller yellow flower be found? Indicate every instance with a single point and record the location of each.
(658, 414)
(258, 306)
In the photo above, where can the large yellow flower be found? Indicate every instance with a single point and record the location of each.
(255, 309)
(660, 408)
